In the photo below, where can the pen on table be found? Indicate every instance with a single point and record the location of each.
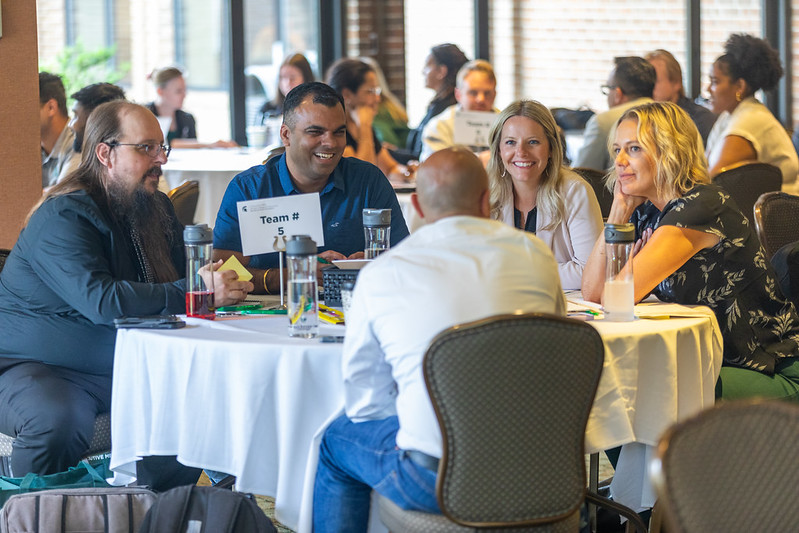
(587, 311)
(234, 308)
(322, 260)
(264, 312)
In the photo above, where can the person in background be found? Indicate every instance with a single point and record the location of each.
(391, 121)
(440, 70)
(357, 84)
(475, 90)
(314, 134)
(56, 137)
(746, 129)
(389, 439)
(294, 70)
(630, 83)
(696, 248)
(532, 190)
(86, 100)
(669, 88)
(170, 87)
(102, 244)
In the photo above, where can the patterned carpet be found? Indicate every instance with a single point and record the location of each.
(267, 504)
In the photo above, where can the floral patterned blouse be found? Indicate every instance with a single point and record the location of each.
(734, 278)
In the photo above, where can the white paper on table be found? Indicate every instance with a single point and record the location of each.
(472, 127)
(262, 221)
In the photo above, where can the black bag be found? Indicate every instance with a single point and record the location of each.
(571, 119)
(205, 510)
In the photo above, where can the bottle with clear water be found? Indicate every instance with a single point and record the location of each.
(302, 288)
(618, 297)
(376, 232)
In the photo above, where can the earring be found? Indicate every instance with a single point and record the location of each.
(504, 171)
(738, 96)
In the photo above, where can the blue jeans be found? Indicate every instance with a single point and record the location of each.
(356, 458)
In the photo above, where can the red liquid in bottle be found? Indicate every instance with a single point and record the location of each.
(200, 304)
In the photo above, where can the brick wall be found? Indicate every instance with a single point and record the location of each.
(376, 29)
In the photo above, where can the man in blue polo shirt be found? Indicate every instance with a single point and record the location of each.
(314, 134)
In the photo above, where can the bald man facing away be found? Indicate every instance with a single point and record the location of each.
(461, 266)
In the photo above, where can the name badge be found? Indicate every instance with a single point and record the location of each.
(472, 127)
(262, 221)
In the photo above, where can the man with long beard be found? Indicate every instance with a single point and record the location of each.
(99, 245)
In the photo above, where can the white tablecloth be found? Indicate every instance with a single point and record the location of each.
(213, 168)
(241, 397)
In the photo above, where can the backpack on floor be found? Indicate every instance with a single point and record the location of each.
(104, 509)
(193, 509)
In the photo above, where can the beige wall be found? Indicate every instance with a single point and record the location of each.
(20, 160)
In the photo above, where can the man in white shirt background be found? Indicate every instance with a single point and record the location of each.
(475, 90)
(461, 266)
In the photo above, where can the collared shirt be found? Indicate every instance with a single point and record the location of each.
(439, 133)
(53, 162)
(71, 273)
(353, 186)
(444, 274)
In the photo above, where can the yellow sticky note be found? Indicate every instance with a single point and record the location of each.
(235, 265)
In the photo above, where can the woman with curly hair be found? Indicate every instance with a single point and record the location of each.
(746, 129)
(533, 191)
(695, 248)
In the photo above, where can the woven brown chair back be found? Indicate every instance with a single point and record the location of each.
(777, 220)
(731, 468)
(184, 198)
(512, 395)
(746, 183)
(597, 180)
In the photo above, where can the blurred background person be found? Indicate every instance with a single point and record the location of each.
(669, 88)
(170, 87)
(475, 90)
(86, 100)
(294, 70)
(746, 129)
(533, 191)
(56, 137)
(357, 84)
(696, 248)
(391, 121)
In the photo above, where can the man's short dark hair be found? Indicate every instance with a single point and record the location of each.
(51, 87)
(98, 93)
(635, 76)
(320, 92)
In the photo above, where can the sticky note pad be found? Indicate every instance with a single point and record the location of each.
(235, 265)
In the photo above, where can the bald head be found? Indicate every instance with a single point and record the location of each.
(452, 182)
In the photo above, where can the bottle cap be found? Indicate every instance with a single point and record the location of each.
(619, 233)
(300, 245)
(198, 234)
(347, 285)
(377, 217)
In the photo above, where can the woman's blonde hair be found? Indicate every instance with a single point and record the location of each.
(670, 137)
(549, 201)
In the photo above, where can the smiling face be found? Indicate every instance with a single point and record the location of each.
(130, 167)
(367, 95)
(290, 77)
(723, 89)
(476, 92)
(635, 167)
(314, 143)
(524, 149)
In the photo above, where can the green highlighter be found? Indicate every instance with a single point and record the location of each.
(264, 312)
(237, 308)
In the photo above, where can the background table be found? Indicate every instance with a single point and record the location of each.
(241, 397)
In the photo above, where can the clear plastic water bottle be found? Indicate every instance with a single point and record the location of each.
(618, 298)
(376, 232)
(302, 288)
(199, 260)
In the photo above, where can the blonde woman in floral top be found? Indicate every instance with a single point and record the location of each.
(695, 247)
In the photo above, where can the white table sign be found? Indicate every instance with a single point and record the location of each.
(261, 221)
(472, 127)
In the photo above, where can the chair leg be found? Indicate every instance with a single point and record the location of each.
(593, 486)
(656, 520)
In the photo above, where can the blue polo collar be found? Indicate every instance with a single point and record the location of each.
(336, 179)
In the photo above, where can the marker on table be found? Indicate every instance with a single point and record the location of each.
(264, 312)
(322, 260)
(235, 308)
